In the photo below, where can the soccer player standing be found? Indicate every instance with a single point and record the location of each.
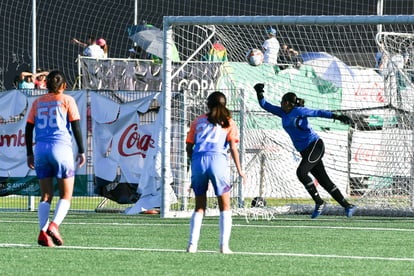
(207, 144)
(54, 117)
(308, 143)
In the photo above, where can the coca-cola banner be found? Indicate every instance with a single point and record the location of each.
(124, 145)
(371, 157)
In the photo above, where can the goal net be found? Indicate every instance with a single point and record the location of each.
(330, 63)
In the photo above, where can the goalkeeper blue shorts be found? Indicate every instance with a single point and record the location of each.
(54, 160)
(214, 167)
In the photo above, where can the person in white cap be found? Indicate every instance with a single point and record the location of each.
(271, 47)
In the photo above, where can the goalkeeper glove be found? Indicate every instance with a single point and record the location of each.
(259, 90)
(343, 118)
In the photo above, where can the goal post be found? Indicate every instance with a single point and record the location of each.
(332, 67)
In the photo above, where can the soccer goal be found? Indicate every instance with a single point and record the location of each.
(327, 60)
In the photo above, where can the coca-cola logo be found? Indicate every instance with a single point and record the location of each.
(133, 143)
(364, 154)
(374, 93)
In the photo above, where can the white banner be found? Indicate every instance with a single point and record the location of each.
(15, 106)
(368, 158)
(368, 90)
(122, 142)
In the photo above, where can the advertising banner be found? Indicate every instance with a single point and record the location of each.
(14, 109)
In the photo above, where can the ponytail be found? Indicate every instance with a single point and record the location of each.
(218, 114)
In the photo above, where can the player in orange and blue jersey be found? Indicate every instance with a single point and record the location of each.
(211, 135)
(54, 117)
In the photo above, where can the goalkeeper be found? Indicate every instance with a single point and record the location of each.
(311, 147)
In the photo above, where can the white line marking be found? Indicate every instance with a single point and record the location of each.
(234, 225)
(330, 227)
(10, 245)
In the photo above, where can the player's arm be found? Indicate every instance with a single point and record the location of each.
(29, 144)
(25, 74)
(308, 112)
(342, 118)
(189, 150)
(236, 157)
(41, 73)
(77, 133)
(276, 110)
(75, 41)
(265, 45)
(190, 141)
(233, 139)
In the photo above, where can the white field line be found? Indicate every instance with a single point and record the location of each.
(215, 225)
(14, 245)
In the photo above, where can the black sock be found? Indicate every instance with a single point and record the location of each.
(310, 187)
(336, 194)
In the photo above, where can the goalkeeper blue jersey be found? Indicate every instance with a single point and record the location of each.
(296, 123)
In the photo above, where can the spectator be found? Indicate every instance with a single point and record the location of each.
(394, 77)
(294, 58)
(132, 52)
(410, 61)
(26, 80)
(381, 61)
(139, 53)
(396, 63)
(378, 57)
(104, 46)
(271, 47)
(40, 81)
(91, 48)
(288, 57)
(283, 58)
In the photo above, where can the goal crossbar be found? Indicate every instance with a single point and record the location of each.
(288, 20)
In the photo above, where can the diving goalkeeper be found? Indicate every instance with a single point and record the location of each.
(310, 146)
